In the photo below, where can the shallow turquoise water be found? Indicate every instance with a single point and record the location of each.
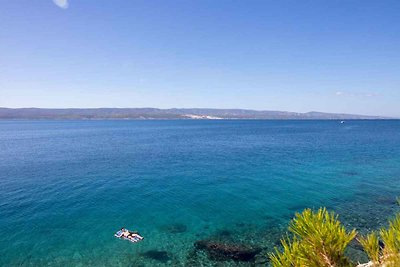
(67, 186)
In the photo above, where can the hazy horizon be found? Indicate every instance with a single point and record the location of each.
(330, 56)
(233, 108)
(204, 108)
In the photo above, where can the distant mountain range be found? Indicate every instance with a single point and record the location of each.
(174, 113)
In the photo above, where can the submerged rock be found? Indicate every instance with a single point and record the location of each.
(157, 255)
(355, 251)
(176, 228)
(220, 251)
(387, 200)
(261, 260)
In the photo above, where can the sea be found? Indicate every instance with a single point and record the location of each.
(194, 189)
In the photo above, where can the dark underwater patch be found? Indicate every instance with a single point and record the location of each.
(176, 228)
(221, 251)
(161, 256)
(350, 173)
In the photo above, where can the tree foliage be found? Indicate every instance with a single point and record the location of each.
(371, 246)
(319, 240)
(387, 254)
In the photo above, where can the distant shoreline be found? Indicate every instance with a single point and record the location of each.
(172, 114)
(188, 119)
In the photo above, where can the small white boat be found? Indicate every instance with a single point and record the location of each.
(132, 236)
(342, 122)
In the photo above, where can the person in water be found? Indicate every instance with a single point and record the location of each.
(134, 235)
(126, 233)
(129, 235)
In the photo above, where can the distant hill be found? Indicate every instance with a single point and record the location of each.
(174, 113)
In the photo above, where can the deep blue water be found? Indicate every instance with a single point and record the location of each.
(67, 186)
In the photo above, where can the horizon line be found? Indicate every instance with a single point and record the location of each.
(248, 109)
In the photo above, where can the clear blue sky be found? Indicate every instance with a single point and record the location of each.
(333, 56)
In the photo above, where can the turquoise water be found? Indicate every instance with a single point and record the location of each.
(67, 186)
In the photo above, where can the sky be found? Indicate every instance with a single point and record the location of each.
(322, 55)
